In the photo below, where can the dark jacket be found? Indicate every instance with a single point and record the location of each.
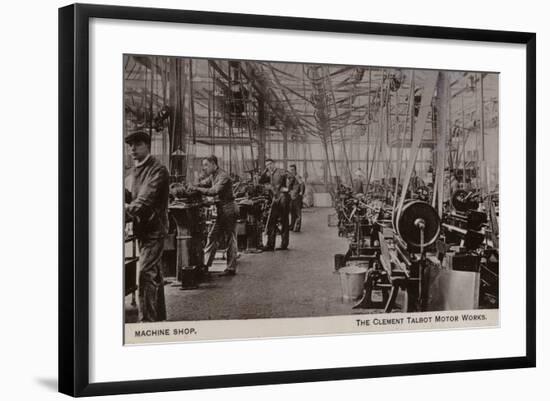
(220, 185)
(148, 205)
(278, 181)
(296, 186)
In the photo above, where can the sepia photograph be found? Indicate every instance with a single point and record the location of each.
(273, 199)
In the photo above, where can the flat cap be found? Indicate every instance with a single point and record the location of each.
(137, 136)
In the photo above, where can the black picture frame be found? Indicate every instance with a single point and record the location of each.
(74, 198)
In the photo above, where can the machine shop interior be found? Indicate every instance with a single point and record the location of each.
(395, 205)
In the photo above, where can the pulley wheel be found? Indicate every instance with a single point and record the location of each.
(414, 216)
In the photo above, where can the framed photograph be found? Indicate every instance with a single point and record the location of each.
(251, 199)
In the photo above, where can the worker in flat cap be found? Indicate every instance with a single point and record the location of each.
(218, 183)
(277, 181)
(296, 188)
(146, 204)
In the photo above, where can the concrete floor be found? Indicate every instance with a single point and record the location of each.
(299, 282)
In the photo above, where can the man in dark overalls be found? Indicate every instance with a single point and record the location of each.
(296, 188)
(219, 184)
(147, 206)
(277, 181)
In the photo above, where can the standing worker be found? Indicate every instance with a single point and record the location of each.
(277, 181)
(146, 204)
(415, 182)
(357, 183)
(218, 183)
(296, 189)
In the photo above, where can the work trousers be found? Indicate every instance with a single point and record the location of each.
(296, 213)
(280, 209)
(152, 306)
(224, 228)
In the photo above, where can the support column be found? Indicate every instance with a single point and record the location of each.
(442, 107)
(261, 133)
(483, 165)
(304, 150)
(285, 147)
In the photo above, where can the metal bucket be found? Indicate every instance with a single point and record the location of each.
(352, 279)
